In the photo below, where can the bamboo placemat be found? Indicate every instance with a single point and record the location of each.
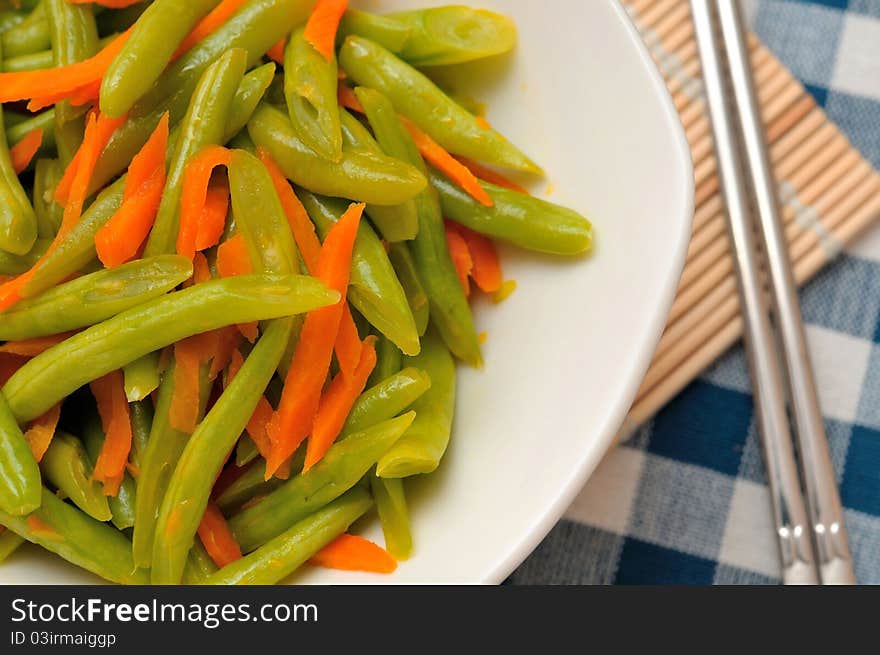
(828, 192)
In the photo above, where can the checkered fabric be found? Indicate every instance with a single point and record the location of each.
(685, 501)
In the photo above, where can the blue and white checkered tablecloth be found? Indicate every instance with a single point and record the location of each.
(685, 500)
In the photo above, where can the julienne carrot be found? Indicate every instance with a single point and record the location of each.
(323, 24)
(33, 347)
(109, 392)
(213, 219)
(461, 257)
(492, 177)
(485, 264)
(120, 239)
(292, 422)
(350, 553)
(276, 52)
(196, 179)
(209, 24)
(348, 343)
(256, 426)
(41, 430)
(233, 258)
(217, 537)
(23, 152)
(336, 404)
(201, 269)
(348, 99)
(228, 340)
(184, 412)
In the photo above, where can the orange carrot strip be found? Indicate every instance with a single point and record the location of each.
(201, 269)
(311, 361)
(256, 426)
(184, 411)
(41, 430)
(348, 344)
(350, 553)
(81, 95)
(347, 98)
(486, 267)
(434, 153)
(23, 152)
(336, 404)
(323, 24)
(119, 239)
(276, 52)
(65, 79)
(461, 257)
(9, 365)
(35, 346)
(228, 341)
(217, 537)
(492, 177)
(209, 24)
(213, 219)
(233, 258)
(109, 392)
(196, 178)
(150, 159)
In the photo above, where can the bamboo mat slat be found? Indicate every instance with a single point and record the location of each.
(828, 193)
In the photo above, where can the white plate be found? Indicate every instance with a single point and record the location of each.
(566, 354)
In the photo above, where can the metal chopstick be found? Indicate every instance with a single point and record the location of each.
(823, 499)
(789, 507)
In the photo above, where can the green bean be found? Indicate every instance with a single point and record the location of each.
(385, 30)
(522, 220)
(77, 250)
(141, 377)
(246, 450)
(156, 36)
(405, 267)
(9, 18)
(390, 500)
(43, 121)
(281, 556)
(18, 223)
(374, 289)
(9, 543)
(141, 423)
(66, 466)
(310, 83)
(360, 175)
(388, 361)
(251, 484)
(93, 298)
(78, 538)
(247, 97)
(256, 27)
(18, 264)
(158, 460)
(199, 565)
(30, 62)
(422, 447)
(49, 213)
(74, 37)
(30, 36)
(341, 469)
(420, 100)
(201, 461)
(123, 503)
(204, 125)
(394, 222)
(386, 400)
(86, 356)
(19, 473)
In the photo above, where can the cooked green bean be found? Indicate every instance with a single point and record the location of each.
(360, 175)
(386, 400)
(9, 543)
(405, 267)
(522, 220)
(158, 460)
(390, 500)
(19, 472)
(123, 503)
(141, 377)
(422, 447)
(281, 556)
(201, 461)
(93, 298)
(341, 469)
(310, 90)
(18, 264)
(31, 35)
(204, 124)
(247, 98)
(141, 423)
(30, 62)
(86, 356)
(66, 531)
(66, 466)
(42, 121)
(246, 450)
(374, 289)
(49, 213)
(394, 222)
(385, 30)
(388, 361)
(420, 100)
(153, 41)
(250, 485)
(9, 18)
(256, 27)
(199, 565)
(74, 37)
